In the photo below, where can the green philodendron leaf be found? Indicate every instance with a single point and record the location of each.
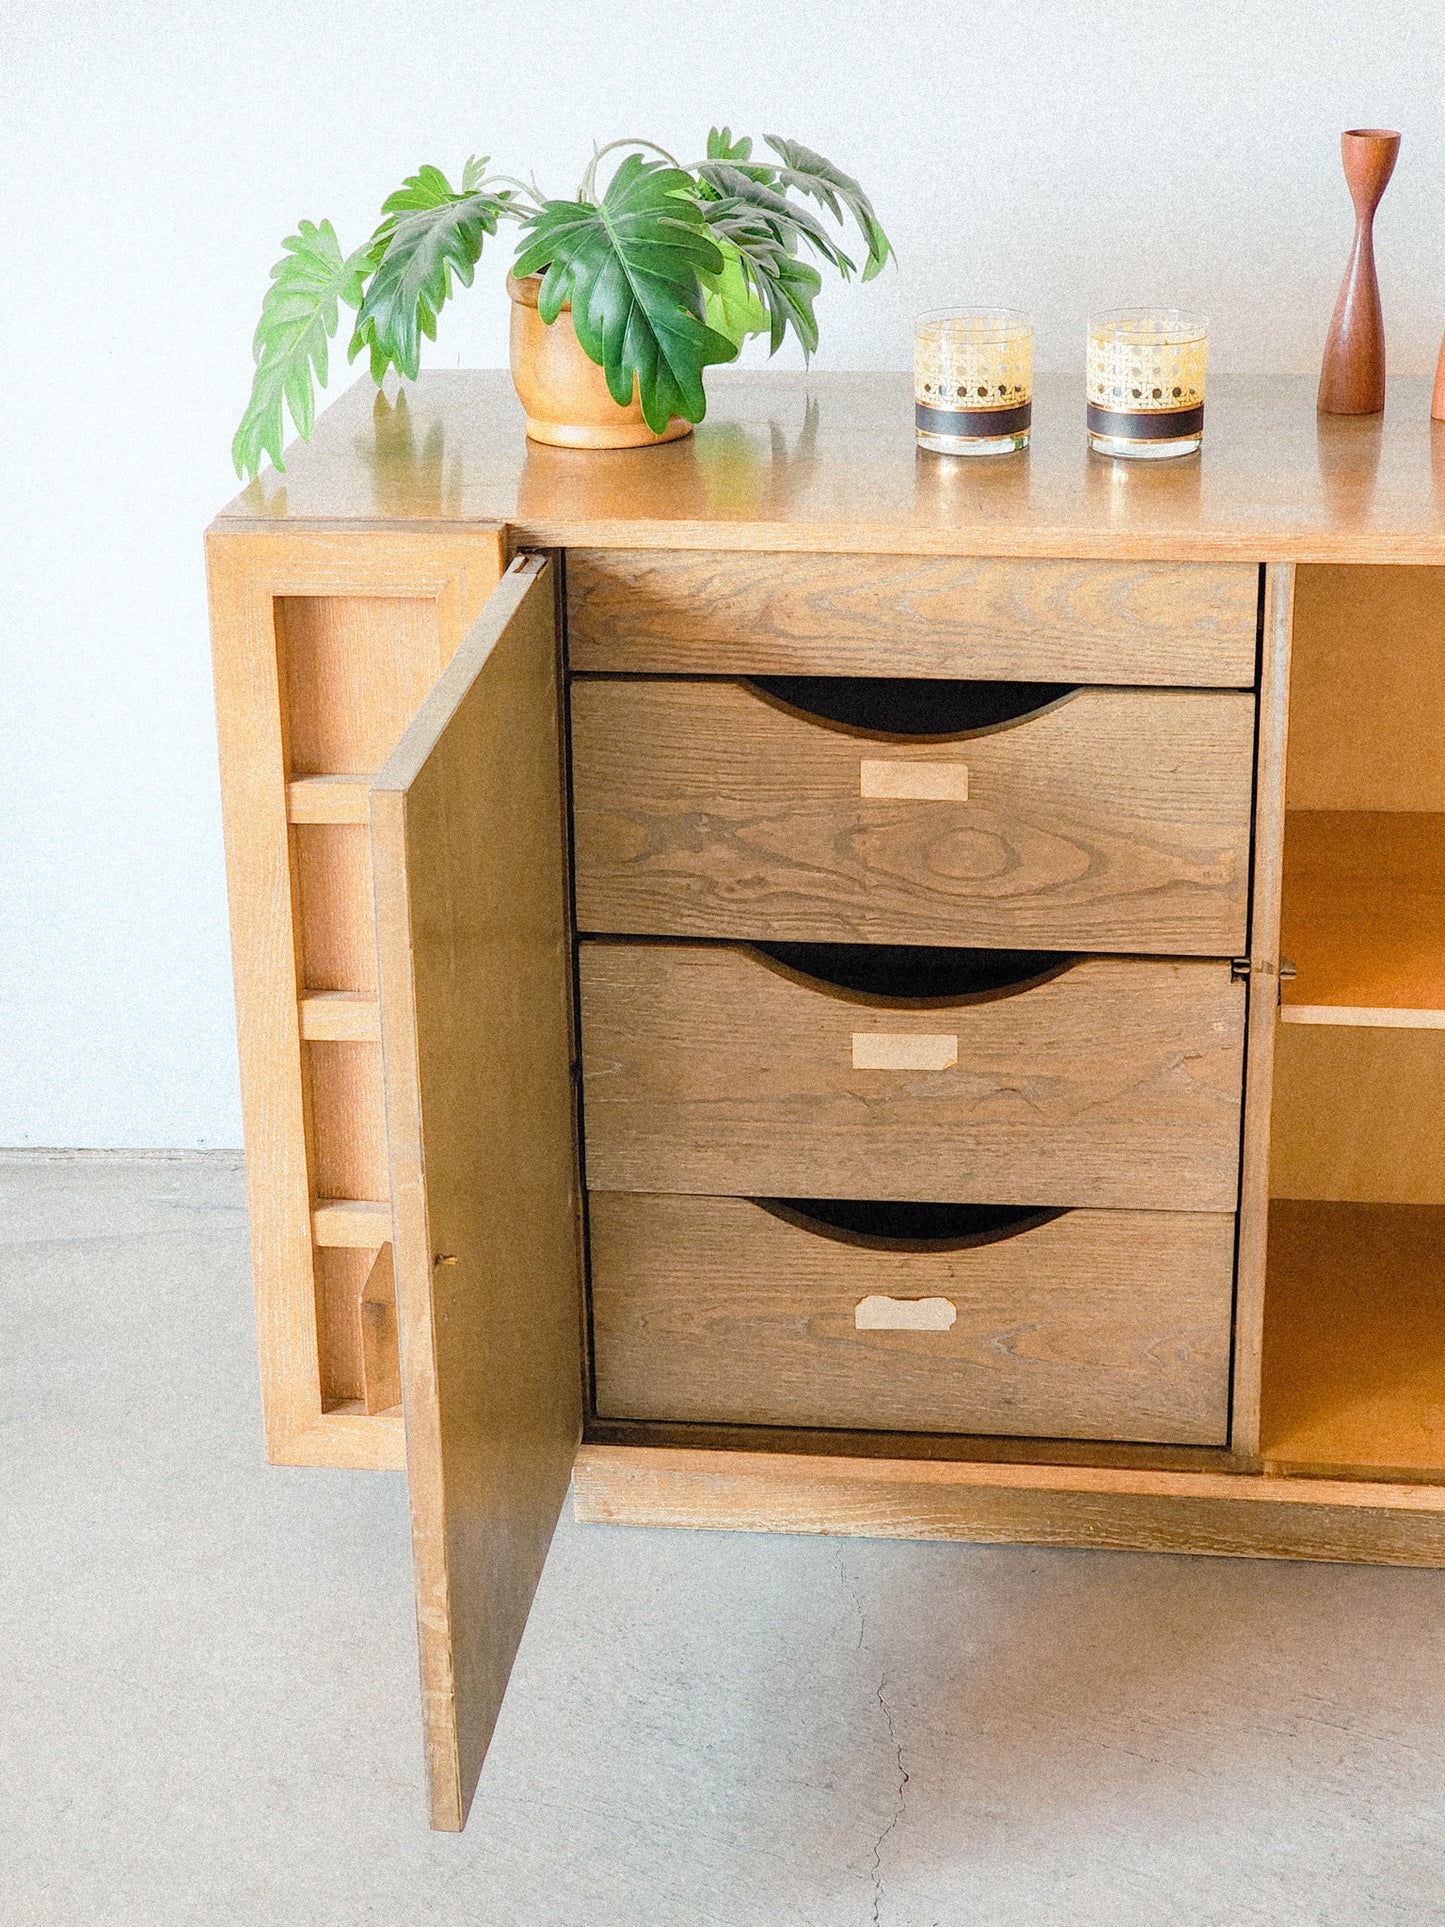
(632, 270)
(811, 174)
(732, 307)
(787, 286)
(298, 318)
(790, 290)
(741, 194)
(737, 154)
(722, 147)
(765, 227)
(429, 232)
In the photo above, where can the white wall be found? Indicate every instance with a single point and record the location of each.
(1052, 153)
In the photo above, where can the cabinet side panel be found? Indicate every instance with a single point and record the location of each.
(336, 934)
(354, 670)
(348, 1120)
(341, 1275)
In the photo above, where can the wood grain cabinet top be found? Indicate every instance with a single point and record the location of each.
(827, 463)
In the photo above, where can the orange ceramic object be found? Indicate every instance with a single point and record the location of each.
(565, 395)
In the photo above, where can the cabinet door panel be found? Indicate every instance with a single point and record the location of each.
(474, 959)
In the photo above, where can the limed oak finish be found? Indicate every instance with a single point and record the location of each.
(1089, 1324)
(930, 827)
(1109, 819)
(473, 946)
(1113, 1082)
(725, 613)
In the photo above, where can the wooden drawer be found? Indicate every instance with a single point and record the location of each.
(713, 1068)
(890, 615)
(1113, 819)
(1090, 1325)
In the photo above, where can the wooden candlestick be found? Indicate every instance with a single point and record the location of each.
(1352, 378)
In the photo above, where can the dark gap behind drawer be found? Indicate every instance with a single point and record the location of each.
(889, 1224)
(919, 707)
(916, 973)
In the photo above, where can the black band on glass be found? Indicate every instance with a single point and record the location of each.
(981, 423)
(1159, 425)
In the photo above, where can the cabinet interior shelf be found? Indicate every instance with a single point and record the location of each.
(351, 1224)
(1354, 1371)
(328, 799)
(1364, 918)
(340, 1016)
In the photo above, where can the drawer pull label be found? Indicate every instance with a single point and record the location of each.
(913, 782)
(879, 1314)
(887, 1050)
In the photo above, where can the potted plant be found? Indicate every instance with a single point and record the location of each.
(620, 298)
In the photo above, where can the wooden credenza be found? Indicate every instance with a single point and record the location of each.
(799, 985)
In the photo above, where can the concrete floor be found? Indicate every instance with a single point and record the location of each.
(209, 1704)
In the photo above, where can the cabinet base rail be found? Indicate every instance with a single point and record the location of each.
(1256, 1516)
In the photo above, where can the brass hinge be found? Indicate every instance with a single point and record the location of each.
(1241, 969)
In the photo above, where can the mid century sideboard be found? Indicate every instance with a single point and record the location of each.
(800, 985)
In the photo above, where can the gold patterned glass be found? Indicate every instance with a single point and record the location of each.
(1145, 382)
(973, 380)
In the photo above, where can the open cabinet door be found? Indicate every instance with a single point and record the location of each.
(469, 867)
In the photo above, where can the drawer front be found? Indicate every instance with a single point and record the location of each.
(709, 1068)
(1092, 1325)
(1113, 819)
(664, 612)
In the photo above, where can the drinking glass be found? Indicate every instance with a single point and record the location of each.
(1145, 382)
(973, 380)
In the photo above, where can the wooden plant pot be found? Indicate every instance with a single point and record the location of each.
(565, 395)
